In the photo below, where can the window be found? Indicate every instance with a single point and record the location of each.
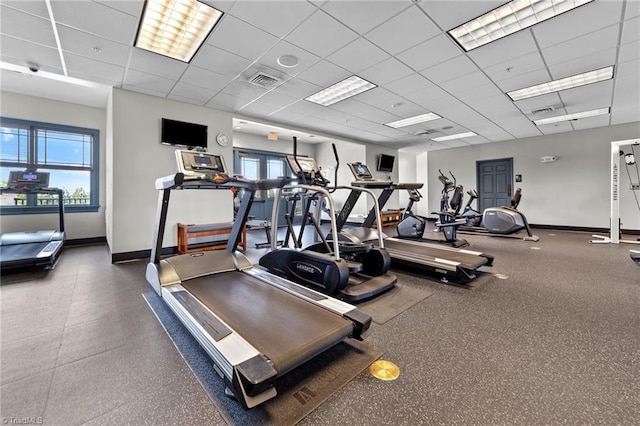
(68, 154)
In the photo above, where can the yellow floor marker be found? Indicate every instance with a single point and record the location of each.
(384, 370)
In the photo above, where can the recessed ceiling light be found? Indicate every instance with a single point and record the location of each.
(175, 28)
(575, 116)
(413, 120)
(288, 61)
(340, 91)
(456, 136)
(508, 19)
(562, 84)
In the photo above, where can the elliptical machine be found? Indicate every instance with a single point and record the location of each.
(497, 220)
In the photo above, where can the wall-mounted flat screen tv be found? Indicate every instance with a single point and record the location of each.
(181, 133)
(385, 163)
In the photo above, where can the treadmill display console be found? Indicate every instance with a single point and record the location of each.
(198, 163)
(308, 165)
(360, 171)
(28, 181)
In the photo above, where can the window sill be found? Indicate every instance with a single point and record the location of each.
(18, 210)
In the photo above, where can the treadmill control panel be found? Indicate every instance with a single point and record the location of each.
(309, 168)
(27, 180)
(360, 171)
(194, 163)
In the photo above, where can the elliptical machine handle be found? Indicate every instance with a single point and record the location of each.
(335, 176)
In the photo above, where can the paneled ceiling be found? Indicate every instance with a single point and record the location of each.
(401, 45)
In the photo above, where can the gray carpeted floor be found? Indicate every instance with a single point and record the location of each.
(548, 335)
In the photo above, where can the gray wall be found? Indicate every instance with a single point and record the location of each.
(573, 191)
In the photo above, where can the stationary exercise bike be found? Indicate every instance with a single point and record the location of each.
(412, 226)
(496, 220)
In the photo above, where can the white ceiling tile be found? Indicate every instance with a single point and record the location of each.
(467, 82)
(524, 80)
(90, 67)
(153, 63)
(199, 77)
(427, 96)
(456, 143)
(223, 62)
(550, 129)
(589, 44)
(381, 98)
(21, 52)
(285, 115)
(185, 100)
(96, 18)
(276, 17)
(196, 94)
(307, 108)
(409, 84)
(244, 91)
(305, 58)
(27, 27)
(429, 53)
(362, 16)
(591, 122)
(82, 43)
(478, 93)
(449, 17)
(225, 102)
(386, 71)
(592, 62)
(632, 9)
(324, 74)
(130, 7)
(277, 100)
(504, 50)
(297, 88)
(37, 8)
(142, 80)
(359, 109)
(630, 30)
(629, 52)
(450, 69)
(403, 31)
(145, 91)
(234, 35)
(358, 55)
(519, 126)
(540, 102)
(321, 35)
(257, 109)
(578, 22)
(515, 67)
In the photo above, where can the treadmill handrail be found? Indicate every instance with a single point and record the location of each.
(49, 190)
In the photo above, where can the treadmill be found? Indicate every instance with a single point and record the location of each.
(255, 326)
(32, 248)
(447, 263)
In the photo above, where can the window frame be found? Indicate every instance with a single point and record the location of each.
(32, 146)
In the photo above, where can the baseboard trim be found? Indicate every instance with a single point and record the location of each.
(85, 241)
(140, 254)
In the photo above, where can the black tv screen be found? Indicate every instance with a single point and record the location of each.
(385, 163)
(181, 133)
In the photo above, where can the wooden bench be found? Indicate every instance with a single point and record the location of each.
(390, 217)
(213, 236)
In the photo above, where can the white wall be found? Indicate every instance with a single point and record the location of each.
(139, 158)
(573, 191)
(77, 225)
(407, 165)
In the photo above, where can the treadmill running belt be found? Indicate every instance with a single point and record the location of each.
(466, 260)
(283, 327)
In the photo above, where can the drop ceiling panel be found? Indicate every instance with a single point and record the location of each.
(504, 50)
(236, 36)
(427, 96)
(450, 69)
(297, 88)
(589, 44)
(195, 94)
(81, 43)
(363, 16)
(467, 82)
(386, 71)
(429, 53)
(538, 102)
(479, 93)
(305, 58)
(403, 31)
(145, 91)
(632, 9)
(130, 7)
(464, 10)
(321, 35)
(152, 63)
(26, 27)
(578, 22)
(524, 80)
(223, 62)
(92, 68)
(362, 110)
(257, 109)
(226, 102)
(520, 127)
(276, 17)
(591, 122)
(358, 55)
(456, 143)
(324, 74)
(244, 90)
(37, 8)
(550, 129)
(592, 96)
(629, 52)
(21, 52)
(630, 30)
(602, 59)
(515, 67)
(285, 115)
(277, 100)
(147, 81)
(97, 19)
(195, 76)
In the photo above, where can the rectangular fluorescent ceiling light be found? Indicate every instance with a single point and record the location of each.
(175, 28)
(508, 19)
(452, 137)
(340, 91)
(413, 120)
(570, 117)
(562, 84)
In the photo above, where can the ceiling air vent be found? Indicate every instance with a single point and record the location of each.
(263, 80)
(426, 132)
(543, 110)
